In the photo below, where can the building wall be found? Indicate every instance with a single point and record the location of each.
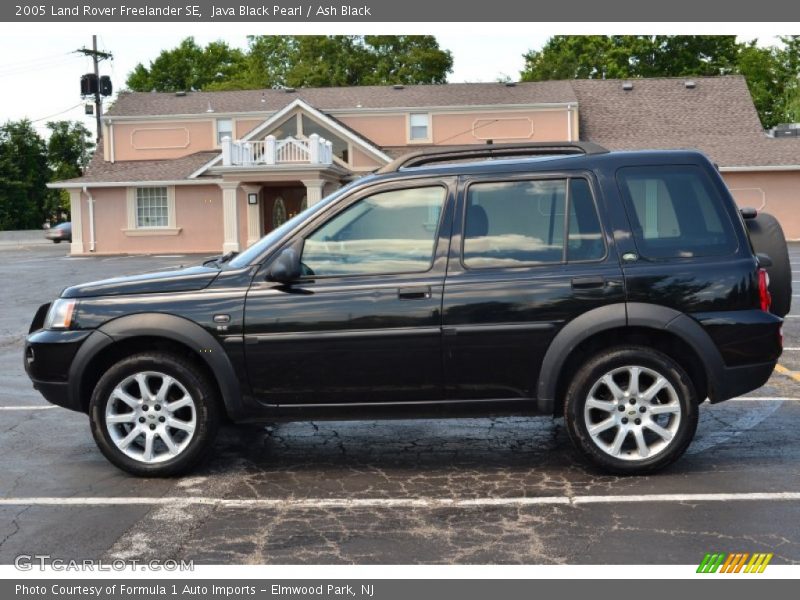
(198, 212)
(517, 126)
(162, 139)
(776, 192)
(468, 127)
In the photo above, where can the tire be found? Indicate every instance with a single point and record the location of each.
(180, 437)
(56, 241)
(676, 403)
(767, 237)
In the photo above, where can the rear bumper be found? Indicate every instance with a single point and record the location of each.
(736, 381)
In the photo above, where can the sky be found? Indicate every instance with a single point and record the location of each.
(41, 81)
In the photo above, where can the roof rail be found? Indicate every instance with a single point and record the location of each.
(450, 153)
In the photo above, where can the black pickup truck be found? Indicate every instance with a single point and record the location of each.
(619, 290)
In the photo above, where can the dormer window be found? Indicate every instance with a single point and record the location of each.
(419, 127)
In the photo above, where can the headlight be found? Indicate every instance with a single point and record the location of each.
(60, 314)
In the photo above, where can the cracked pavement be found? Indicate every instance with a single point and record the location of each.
(742, 446)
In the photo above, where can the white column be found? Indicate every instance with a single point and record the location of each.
(269, 150)
(313, 190)
(255, 216)
(313, 149)
(230, 217)
(76, 247)
(227, 152)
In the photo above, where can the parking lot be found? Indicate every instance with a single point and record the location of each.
(505, 490)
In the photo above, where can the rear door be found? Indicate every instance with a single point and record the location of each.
(528, 254)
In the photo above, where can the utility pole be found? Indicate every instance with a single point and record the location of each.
(97, 56)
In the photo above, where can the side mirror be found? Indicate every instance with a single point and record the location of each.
(748, 213)
(286, 266)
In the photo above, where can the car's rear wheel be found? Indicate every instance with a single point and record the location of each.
(154, 414)
(631, 410)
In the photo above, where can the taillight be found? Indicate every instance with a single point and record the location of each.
(763, 290)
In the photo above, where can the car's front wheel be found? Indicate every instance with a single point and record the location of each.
(631, 410)
(154, 414)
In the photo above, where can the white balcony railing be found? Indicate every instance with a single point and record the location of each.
(273, 152)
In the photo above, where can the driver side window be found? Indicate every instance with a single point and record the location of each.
(388, 232)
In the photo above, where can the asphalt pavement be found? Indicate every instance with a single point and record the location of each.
(507, 490)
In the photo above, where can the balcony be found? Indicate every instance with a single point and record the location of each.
(273, 152)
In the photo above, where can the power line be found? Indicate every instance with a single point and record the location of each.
(56, 114)
(17, 70)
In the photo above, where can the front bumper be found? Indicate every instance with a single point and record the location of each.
(48, 358)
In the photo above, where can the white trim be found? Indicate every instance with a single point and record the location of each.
(352, 111)
(324, 119)
(104, 184)
(151, 231)
(760, 168)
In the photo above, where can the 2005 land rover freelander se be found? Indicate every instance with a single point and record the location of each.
(618, 289)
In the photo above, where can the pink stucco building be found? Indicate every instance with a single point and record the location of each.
(214, 171)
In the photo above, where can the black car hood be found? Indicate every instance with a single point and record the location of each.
(175, 280)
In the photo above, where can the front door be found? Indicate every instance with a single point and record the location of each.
(527, 255)
(364, 322)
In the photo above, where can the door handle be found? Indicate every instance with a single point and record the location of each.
(585, 283)
(414, 293)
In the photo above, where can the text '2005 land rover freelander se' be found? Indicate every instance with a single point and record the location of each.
(619, 290)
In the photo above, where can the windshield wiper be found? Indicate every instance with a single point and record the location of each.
(218, 261)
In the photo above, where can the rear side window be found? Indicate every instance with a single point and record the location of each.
(518, 223)
(675, 213)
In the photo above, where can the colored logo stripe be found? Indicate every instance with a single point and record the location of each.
(734, 562)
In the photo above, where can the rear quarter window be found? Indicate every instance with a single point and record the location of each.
(675, 212)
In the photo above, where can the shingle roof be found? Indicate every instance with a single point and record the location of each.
(717, 116)
(372, 96)
(99, 170)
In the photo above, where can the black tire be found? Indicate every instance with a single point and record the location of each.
(56, 241)
(681, 393)
(205, 414)
(767, 237)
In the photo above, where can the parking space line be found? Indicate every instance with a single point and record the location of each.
(784, 371)
(419, 502)
(764, 399)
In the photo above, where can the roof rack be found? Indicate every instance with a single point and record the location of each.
(450, 153)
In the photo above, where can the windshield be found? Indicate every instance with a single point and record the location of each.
(250, 255)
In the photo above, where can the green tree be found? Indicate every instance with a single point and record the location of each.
(303, 61)
(69, 149)
(620, 56)
(771, 73)
(24, 174)
(187, 67)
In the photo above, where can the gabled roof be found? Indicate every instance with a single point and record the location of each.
(129, 104)
(276, 119)
(716, 116)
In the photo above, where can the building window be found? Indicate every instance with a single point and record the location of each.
(224, 129)
(152, 207)
(419, 127)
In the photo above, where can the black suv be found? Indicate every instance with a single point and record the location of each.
(619, 290)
